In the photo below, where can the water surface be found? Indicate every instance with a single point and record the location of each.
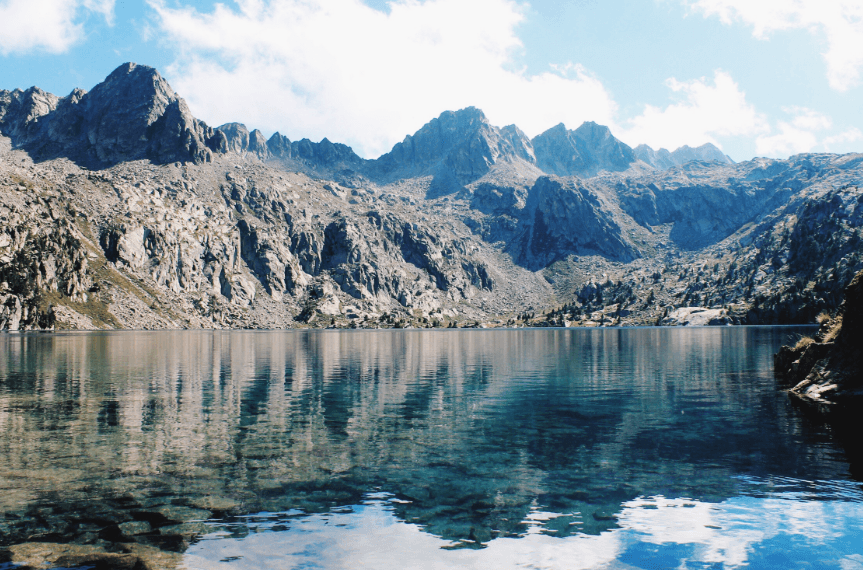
(602, 448)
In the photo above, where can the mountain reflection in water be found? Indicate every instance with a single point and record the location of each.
(349, 443)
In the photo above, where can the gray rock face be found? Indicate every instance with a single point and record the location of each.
(702, 212)
(566, 217)
(133, 114)
(43, 259)
(324, 153)
(240, 140)
(325, 160)
(271, 261)
(499, 199)
(279, 146)
(584, 152)
(21, 111)
(659, 159)
(521, 145)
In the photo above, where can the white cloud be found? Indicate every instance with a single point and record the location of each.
(808, 119)
(841, 22)
(104, 7)
(847, 136)
(340, 69)
(790, 140)
(803, 133)
(723, 534)
(706, 112)
(50, 25)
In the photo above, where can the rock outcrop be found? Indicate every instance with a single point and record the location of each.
(696, 317)
(829, 367)
(40, 262)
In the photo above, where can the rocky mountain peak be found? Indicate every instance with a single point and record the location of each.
(463, 118)
(21, 110)
(240, 140)
(659, 159)
(590, 130)
(520, 142)
(132, 84)
(279, 145)
(583, 152)
(133, 114)
(707, 152)
(439, 137)
(662, 159)
(456, 148)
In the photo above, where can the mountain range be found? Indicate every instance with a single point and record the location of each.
(120, 209)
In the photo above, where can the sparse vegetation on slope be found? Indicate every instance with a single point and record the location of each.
(457, 226)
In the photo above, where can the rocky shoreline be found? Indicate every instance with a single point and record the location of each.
(827, 369)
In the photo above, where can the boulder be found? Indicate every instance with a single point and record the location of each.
(696, 317)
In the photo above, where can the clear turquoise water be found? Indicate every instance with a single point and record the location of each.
(611, 448)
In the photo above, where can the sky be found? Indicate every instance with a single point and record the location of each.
(756, 78)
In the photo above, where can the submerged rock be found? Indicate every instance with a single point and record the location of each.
(47, 554)
(39, 555)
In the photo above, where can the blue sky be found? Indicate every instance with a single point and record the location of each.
(756, 78)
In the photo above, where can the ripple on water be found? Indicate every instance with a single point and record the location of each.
(506, 449)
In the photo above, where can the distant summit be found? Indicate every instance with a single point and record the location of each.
(325, 153)
(583, 152)
(240, 140)
(133, 114)
(663, 160)
(456, 148)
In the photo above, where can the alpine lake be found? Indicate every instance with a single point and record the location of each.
(490, 449)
